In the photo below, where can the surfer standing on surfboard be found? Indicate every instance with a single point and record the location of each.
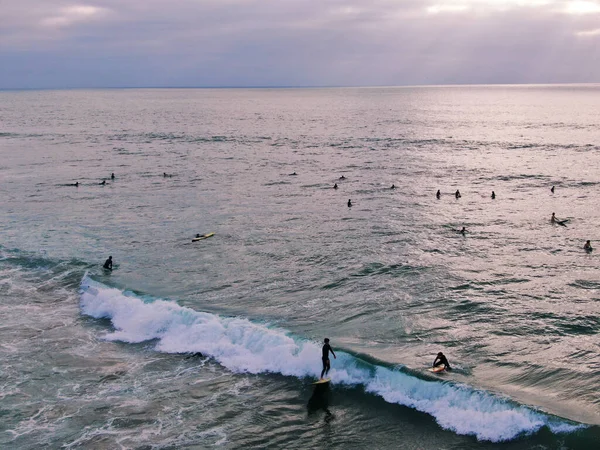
(441, 359)
(326, 364)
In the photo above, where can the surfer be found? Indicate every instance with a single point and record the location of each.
(194, 355)
(76, 184)
(562, 222)
(103, 183)
(441, 359)
(457, 194)
(112, 176)
(463, 231)
(335, 186)
(552, 190)
(393, 186)
(438, 194)
(342, 177)
(108, 263)
(493, 195)
(349, 203)
(588, 246)
(293, 174)
(326, 364)
(164, 174)
(198, 235)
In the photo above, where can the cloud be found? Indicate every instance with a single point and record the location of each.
(296, 42)
(72, 15)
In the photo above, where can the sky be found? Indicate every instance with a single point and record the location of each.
(204, 43)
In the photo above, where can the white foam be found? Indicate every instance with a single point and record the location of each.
(246, 347)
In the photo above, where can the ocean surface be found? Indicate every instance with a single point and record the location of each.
(96, 359)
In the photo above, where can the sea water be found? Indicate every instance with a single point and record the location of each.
(100, 359)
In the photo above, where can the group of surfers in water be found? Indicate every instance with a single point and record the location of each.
(440, 359)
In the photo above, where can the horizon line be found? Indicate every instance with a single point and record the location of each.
(297, 86)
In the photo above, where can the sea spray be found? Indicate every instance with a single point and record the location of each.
(243, 346)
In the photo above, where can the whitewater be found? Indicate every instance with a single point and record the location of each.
(243, 346)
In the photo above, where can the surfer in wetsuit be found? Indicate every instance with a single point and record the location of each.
(463, 231)
(493, 195)
(393, 186)
(587, 246)
(438, 194)
(457, 194)
(552, 190)
(335, 186)
(326, 364)
(441, 359)
(349, 203)
(108, 263)
(342, 177)
(103, 183)
(553, 219)
(112, 176)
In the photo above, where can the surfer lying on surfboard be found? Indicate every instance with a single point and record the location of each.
(440, 359)
(326, 364)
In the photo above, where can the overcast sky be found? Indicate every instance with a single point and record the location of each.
(123, 43)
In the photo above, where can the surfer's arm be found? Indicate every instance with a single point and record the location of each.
(435, 361)
(331, 350)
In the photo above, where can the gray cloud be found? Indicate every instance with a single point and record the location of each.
(296, 42)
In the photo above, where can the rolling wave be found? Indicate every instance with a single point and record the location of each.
(243, 346)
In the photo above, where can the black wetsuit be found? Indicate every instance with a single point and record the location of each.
(326, 366)
(108, 264)
(439, 360)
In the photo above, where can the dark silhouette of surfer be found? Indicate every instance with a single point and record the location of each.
(76, 184)
(342, 177)
(108, 264)
(293, 174)
(553, 219)
(335, 186)
(325, 357)
(493, 195)
(349, 203)
(588, 246)
(457, 194)
(112, 176)
(463, 231)
(103, 183)
(552, 190)
(393, 186)
(438, 194)
(441, 359)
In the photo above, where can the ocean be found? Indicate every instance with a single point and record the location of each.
(97, 359)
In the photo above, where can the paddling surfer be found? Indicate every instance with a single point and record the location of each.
(326, 364)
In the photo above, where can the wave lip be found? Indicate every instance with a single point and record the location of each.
(243, 346)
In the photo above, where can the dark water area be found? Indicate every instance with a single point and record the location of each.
(99, 359)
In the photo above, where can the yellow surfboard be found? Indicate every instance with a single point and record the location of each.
(205, 236)
(323, 381)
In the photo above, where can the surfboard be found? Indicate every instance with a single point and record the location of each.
(323, 381)
(437, 369)
(207, 235)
